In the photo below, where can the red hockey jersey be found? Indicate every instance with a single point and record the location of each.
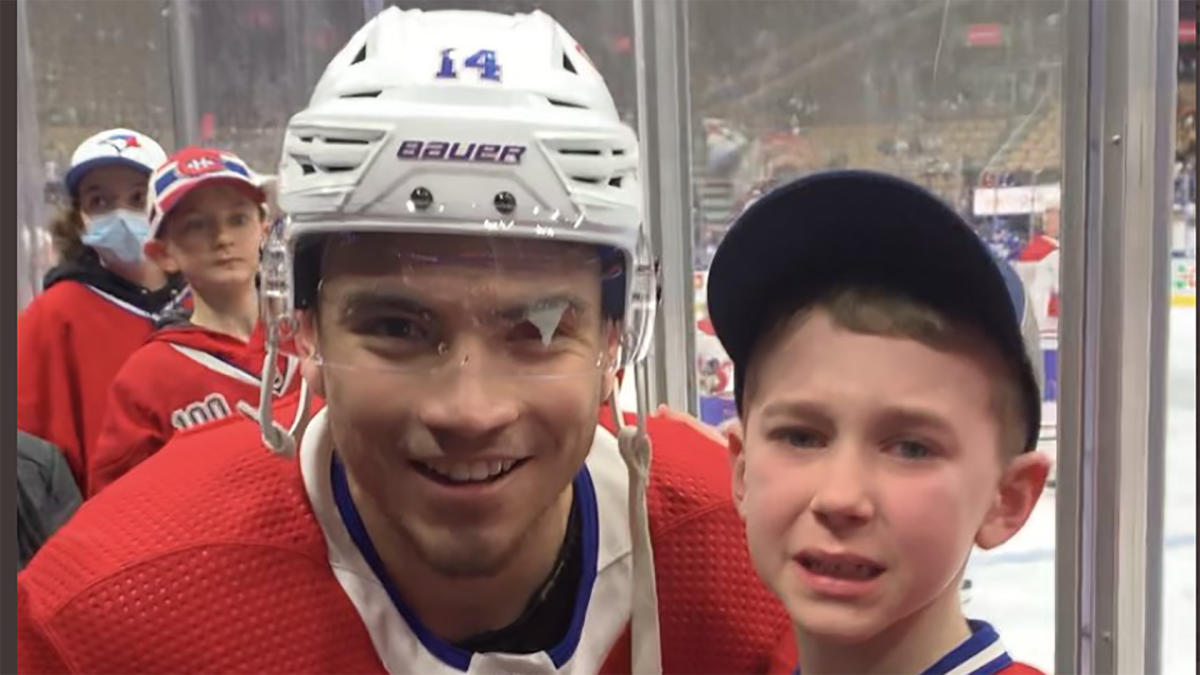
(217, 556)
(71, 340)
(1042, 252)
(182, 377)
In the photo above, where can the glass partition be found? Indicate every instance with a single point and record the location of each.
(963, 98)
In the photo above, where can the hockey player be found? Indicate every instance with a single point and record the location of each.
(207, 222)
(464, 269)
(890, 410)
(99, 304)
(1039, 262)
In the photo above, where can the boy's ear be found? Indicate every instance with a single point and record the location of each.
(1017, 494)
(156, 251)
(736, 438)
(306, 342)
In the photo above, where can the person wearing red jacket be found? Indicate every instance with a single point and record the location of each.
(99, 303)
(207, 224)
(462, 299)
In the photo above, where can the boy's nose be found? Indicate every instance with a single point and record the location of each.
(843, 499)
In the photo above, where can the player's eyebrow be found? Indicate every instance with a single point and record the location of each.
(379, 300)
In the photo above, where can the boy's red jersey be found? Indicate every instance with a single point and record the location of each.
(184, 376)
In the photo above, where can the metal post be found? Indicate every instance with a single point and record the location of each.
(664, 115)
(1165, 25)
(31, 183)
(183, 73)
(294, 54)
(1113, 323)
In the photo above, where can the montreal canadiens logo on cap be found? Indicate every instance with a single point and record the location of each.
(199, 161)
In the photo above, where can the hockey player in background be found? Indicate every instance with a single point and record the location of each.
(99, 303)
(467, 268)
(207, 223)
(1038, 264)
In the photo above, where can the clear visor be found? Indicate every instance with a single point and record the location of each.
(487, 305)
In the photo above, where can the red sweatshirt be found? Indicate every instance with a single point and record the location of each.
(183, 376)
(71, 340)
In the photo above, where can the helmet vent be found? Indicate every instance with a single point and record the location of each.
(363, 94)
(565, 104)
(361, 55)
(568, 65)
(579, 151)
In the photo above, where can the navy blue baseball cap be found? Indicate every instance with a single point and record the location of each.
(833, 228)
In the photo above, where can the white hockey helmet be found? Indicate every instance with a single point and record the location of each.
(465, 123)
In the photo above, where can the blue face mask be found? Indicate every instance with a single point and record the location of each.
(117, 236)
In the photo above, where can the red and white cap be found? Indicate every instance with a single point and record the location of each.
(123, 147)
(192, 167)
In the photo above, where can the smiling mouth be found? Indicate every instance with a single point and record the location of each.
(839, 567)
(475, 472)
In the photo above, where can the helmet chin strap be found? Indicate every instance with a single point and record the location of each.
(634, 444)
(275, 302)
(281, 441)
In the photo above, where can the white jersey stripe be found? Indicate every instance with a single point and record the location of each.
(217, 365)
(121, 303)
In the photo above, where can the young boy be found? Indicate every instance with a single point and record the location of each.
(888, 411)
(207, 223)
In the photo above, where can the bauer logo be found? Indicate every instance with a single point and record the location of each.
(454, 151)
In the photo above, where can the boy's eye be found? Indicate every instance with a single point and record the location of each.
(193, 224)
(137, 200)
(97, 203)
(798, 437)
(910, 449)
(238, 219)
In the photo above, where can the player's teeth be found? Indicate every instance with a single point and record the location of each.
(465, 472)
(479, 470)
